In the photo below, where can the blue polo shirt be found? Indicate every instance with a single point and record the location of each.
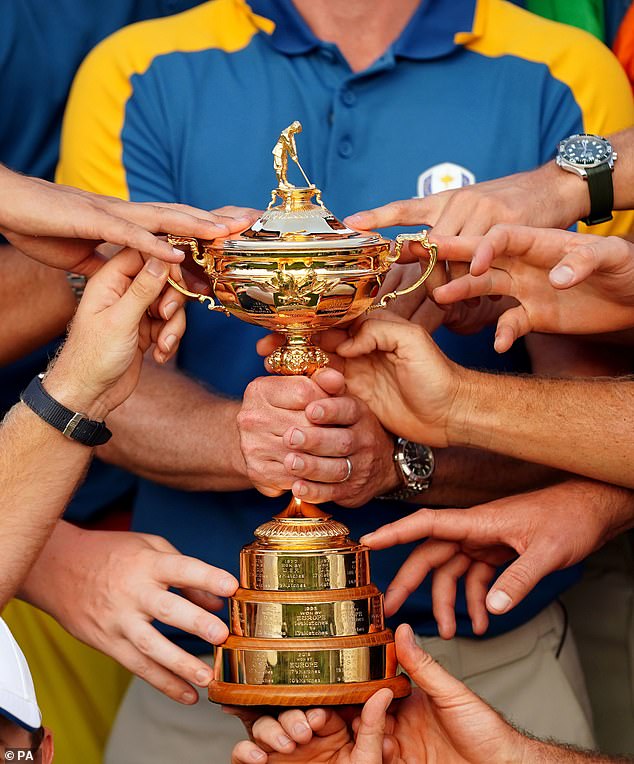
(42, 45)
(188, 109)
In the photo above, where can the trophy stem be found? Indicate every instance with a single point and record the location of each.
(298, 355)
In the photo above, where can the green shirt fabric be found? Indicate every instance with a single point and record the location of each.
(585, 14)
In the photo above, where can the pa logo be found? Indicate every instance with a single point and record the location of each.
(442, 177)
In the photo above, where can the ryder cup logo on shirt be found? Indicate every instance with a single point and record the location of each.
(442, 177)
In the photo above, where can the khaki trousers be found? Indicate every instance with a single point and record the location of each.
(519, 673)
(601, 611)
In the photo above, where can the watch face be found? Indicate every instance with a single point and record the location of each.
(419, 460)
(585, 150)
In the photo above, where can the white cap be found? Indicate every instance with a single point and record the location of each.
(17, 694)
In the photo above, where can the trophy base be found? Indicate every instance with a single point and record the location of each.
(303, 695)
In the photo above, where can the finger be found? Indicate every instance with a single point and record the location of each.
(246, 752)
(368, 745)
(512, 324)
(405, 212)
(334, 411)
(177, 611)
(442, 688)
(322, 441)
(315, 493)
(494, 281)
(477, 582)
(269, 733)
(316, 469)
(597, 254)
(142, 292)
(520, 578)
(177, 219)
(170, 334)
(412, 573)
(140, 664)
(330, 380)
(443, 591)
(177, 570)
(389, 336)
(203, 599)
(447, 524)
(296, 726)
(268, 344)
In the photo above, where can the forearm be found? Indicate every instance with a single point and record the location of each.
(39, 471)
(538, 752)
(577, 425)
(464, 477)
(37, 304)
(174, 431)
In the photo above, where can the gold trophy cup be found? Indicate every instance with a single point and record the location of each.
(306, 625)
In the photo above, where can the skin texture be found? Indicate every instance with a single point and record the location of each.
(94, 373)
(541, 531)
(565, 283)
(61, 226)
(416, 392)
(116, 586)
(442, 721)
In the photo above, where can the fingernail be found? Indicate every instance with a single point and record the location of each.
(313, 715)
(297, 438)
(498, 601)
(300, 490)
(178, 252)
(317, 412)
(189, 696)
(562, 275)
(203, 676)
(170, 309)
(170, 342)
(301, 728)
(367, 539)
(156, 267)
(227, 586)
(354, 219)
(215, 634)
(257, 755)
(283, 741)
(243, 219)
(298, 463)
(409, 635)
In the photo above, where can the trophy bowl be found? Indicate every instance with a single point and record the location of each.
(298, 270)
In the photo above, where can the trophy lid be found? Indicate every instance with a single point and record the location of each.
(302, 523)
(296, 218)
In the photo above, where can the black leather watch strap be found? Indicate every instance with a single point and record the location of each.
(601, 191)
(70, 423)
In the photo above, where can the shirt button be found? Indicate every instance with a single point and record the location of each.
(345, 148)
(327, 54)
(348, 98)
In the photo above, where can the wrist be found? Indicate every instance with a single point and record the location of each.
(463, 426)
(568, 195)
(65, 385)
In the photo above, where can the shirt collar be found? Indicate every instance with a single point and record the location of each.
(436, 29)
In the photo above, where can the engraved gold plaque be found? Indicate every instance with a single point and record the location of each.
(307, 625)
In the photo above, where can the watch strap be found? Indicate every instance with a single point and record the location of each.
(601, 189)
(72, 424)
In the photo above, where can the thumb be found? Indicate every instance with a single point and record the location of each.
(582, 261)
(385, 335)
(330, 380)
(430, 676)
(368, 747)
(518, 580)
(143, 291)
(512, 324)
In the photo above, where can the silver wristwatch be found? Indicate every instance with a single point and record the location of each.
(415, 463)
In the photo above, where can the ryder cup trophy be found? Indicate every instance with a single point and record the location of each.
(306, 625)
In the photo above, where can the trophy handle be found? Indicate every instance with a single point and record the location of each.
(398, 245)
(199, 259)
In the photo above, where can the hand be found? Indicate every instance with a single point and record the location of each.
(297, 432)
(542, 531)
(115, 584)
(100, 363)
(404, 378)
(61, 226)
(442, 721)
(545, 198)
(566, 283)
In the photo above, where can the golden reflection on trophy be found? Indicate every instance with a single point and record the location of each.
(306, 625)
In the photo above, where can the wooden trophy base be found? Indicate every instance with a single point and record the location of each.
(303, 695)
